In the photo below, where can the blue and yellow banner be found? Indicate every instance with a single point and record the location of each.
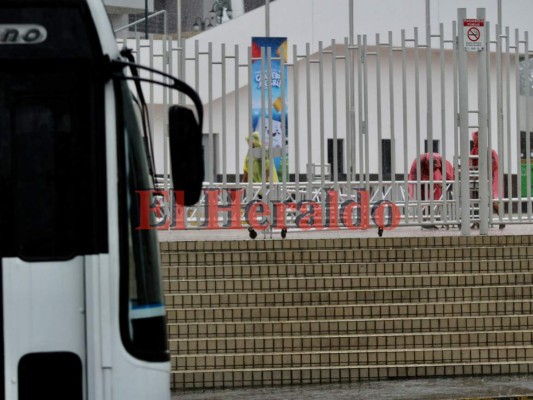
(272, 113)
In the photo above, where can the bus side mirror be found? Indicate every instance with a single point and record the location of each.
(186, 154)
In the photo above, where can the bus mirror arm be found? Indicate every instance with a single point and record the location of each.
(185, 132)
(127, 53)
(176, 84)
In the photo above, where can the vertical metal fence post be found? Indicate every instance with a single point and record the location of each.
(445, 181)
(456, 136)
(518, 122)
(335, 158)
(484, 150)
(379, 143)
(507, 155)
(211, 142)
(309, 169)
(223, 131)
(348, 77)
(351, 128)
(249, 187)
(405, 125)
(429, 119)
(321, 113)
(463, 125)
(296, 123)
(527, 90)
(350, 109)
(391, 119)
(499, 104)
(272, 188)
(265, 80)
(360, 88)
(284, 166)
(237, 116)
(419, 188)
(488, 84)
(364, 132)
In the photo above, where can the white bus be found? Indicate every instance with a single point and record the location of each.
(81, 303)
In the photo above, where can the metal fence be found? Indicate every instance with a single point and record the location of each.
(364, 118)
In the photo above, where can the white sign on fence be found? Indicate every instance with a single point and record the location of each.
(474, 34)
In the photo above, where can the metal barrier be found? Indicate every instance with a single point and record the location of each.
(360, 117)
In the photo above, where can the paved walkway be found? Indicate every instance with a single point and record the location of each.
(478, 388)
(415, 231)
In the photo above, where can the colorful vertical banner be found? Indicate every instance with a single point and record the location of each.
(277, 110)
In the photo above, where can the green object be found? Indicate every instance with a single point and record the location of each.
(523, 178)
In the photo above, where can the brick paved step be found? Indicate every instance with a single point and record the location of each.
(355, 296)
(321, 375)
(272, 312)
(347, 255)
(407, 356)
(232, 285)
(422, 340)
(343, 243)
(240, 271)
(324, 312)
(350, 326)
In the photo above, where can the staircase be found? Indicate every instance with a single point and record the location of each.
(273, 312)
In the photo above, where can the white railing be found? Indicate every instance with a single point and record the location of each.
(359, 116)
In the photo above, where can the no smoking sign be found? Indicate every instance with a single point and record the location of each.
(474, 34)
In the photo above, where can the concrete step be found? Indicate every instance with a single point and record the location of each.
(272, 312)
(320, 375)
(192, 329)
(353, 296)
(320, 283)
(316, 270)
(374, 357)
(421, 340)
(346, 255)
(346, 243)
(325, 312)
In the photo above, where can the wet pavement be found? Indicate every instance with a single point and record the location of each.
(500, 387)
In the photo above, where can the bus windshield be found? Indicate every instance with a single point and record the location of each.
(143, 324)
(52, 163)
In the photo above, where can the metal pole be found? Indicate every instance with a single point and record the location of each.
(146, 19)
(463, 125)
(178, 24)
(350, 62)
(309, 120)
(351, 21)
(483, 137)
(361, 56)
(499, 15)
(267, 18)
(321, 101)
(428, 17)
(296, 105)
(419, 187)
(429, 119)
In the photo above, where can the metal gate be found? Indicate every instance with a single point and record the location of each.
(398, 113)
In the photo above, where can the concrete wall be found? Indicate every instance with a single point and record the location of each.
(303, 21)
